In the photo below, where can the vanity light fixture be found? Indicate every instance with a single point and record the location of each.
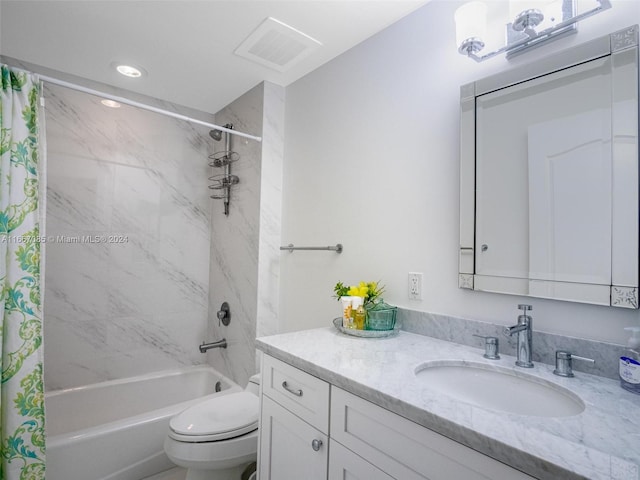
(531, 22)
(110, 103)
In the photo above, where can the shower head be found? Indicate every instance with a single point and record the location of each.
(216, 135)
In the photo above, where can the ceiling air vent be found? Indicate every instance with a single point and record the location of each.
(277, 45)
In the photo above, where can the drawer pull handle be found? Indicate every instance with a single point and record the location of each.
(297, 393)
(316, 444)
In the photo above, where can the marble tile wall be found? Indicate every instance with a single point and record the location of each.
(245, 245)
(137, 303)
(234, 244)
(270, 210)
(460, 330)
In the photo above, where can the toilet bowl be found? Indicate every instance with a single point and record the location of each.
(217, 438)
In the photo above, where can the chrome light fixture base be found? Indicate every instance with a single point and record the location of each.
(528, 20)
(522, 34)
(470, 46)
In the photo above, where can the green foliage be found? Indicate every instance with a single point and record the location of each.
(340, 290)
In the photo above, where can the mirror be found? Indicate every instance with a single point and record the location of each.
(549, 177)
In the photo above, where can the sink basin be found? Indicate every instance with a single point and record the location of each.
(498, 388)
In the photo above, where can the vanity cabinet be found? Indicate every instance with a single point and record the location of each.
(294, 423)
(359, 440)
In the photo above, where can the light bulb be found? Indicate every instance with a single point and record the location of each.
(471, 21)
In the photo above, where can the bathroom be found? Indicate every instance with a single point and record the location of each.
(362, 151)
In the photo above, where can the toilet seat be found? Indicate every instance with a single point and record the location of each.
(219, 418)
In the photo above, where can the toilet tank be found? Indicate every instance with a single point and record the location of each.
(253, 385)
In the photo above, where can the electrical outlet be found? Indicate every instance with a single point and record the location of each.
(415, 286)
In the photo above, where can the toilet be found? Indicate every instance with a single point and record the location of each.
(217, 439)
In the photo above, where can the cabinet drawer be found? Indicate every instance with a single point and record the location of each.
(406, 450)
(297, 391)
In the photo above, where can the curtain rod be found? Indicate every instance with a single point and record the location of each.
(143, 106)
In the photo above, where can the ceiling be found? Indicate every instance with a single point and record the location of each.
(186, 46)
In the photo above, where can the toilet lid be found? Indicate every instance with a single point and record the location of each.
(218, 418)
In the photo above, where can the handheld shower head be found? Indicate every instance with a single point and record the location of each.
(216, 135)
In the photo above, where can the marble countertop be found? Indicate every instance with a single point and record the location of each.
(603, 442)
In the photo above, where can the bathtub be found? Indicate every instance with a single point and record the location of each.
(115, 430)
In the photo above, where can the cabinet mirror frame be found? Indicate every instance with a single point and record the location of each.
(622, 291)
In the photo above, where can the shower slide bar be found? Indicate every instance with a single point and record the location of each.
(335, 248)
(144, 106)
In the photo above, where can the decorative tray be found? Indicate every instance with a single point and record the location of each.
(337, 322)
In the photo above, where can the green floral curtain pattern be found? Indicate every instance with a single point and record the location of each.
(22, 434)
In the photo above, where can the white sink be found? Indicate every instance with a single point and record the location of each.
(498, 388)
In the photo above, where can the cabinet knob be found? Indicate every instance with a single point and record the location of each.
(316, 444)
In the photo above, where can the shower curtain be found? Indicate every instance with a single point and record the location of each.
(22, 436)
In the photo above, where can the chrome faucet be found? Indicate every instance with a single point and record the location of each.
(219, 344)
(524, 331)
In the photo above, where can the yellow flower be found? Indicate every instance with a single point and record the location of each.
(354, 291)
(369, 291)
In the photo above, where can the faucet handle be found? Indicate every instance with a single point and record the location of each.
(564, 366)
(491, 347)
(525, 308)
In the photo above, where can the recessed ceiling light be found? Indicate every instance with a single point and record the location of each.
(110, 103)
(129, 70)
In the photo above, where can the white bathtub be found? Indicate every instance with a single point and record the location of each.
(115, 430)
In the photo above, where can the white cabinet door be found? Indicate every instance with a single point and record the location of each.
(346, 465)
(290, 449)
(404, 449)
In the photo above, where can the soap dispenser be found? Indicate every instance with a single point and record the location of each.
(630, 362)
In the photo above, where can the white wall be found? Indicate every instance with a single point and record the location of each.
(371, 161)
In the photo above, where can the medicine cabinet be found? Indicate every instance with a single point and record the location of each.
(549, 176)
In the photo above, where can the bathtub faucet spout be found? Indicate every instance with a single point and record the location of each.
(219, 344)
